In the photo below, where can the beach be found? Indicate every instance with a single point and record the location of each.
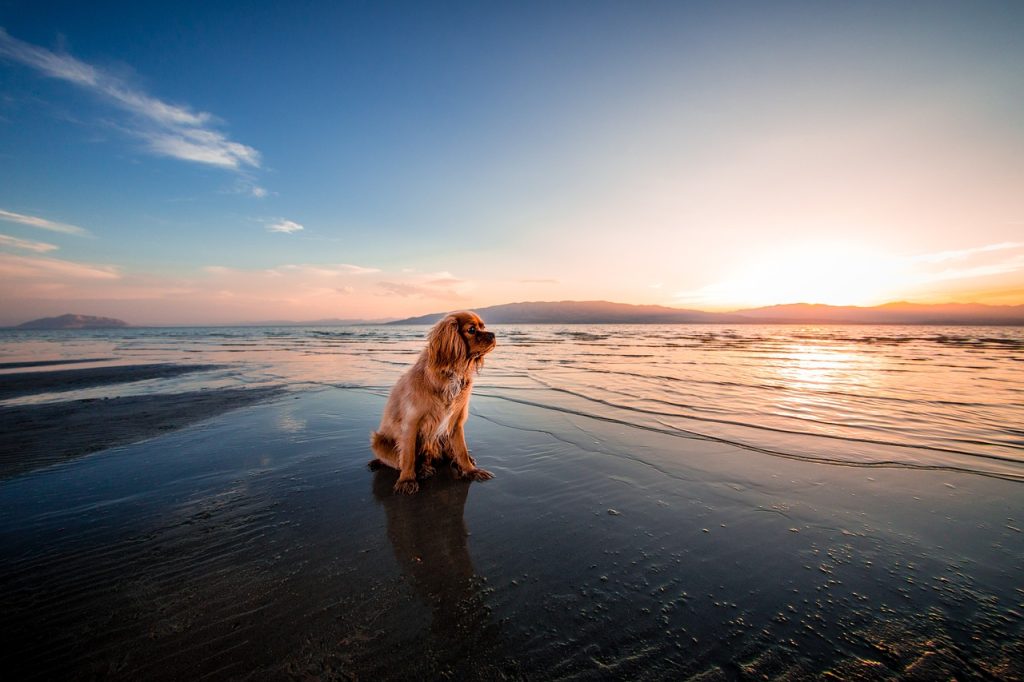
(247, 539)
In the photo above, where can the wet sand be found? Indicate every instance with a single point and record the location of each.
(49, 363)
(28, 383)
(36, 436)
(257, 545)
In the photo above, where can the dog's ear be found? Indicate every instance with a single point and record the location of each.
(445, 344)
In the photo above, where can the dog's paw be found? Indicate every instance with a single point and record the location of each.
(407, 487)
(426, 471)
(478, 475)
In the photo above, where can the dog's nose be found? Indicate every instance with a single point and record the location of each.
(488, 336)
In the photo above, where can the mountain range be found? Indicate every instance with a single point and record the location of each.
(73, 322)
(604, 312)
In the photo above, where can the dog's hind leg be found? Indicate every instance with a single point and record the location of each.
(386, 450)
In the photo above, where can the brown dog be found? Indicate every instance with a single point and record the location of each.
(427, 408)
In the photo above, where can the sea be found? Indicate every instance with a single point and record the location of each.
(923, 397)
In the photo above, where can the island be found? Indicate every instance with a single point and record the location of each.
(70, 321)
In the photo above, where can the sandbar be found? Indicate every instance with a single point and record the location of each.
(27, 383)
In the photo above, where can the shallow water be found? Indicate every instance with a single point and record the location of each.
(909, 396)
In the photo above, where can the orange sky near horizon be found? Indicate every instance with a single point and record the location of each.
(835, 274)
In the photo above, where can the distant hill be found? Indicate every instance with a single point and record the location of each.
(604, 312)
(584, 312)
(73, 322)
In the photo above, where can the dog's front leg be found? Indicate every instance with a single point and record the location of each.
(460, 452)
(407, 459)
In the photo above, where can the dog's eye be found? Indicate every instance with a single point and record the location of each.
(472, 329)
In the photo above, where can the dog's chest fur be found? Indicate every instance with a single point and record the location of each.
(452, 390)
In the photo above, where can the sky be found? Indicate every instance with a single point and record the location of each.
(193, 163)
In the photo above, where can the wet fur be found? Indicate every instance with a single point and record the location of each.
(425, 414)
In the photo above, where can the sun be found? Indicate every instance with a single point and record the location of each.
(832, 273)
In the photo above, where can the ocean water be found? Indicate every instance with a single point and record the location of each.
(868, 396)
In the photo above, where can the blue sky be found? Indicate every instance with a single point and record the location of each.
(447, 155)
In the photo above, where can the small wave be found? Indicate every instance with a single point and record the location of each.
(583, 336)
(341, 334)
(792, 432)
(671, 430)
(781, 387)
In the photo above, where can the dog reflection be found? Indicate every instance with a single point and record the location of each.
(429, 537)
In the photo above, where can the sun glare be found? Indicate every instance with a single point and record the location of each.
(833, 274)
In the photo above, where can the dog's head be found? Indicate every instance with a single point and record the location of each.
(459, 340)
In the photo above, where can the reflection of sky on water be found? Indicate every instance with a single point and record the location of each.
(291, 424)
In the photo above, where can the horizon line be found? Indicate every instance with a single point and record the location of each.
(351, 322)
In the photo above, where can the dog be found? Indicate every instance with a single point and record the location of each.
(428, 406)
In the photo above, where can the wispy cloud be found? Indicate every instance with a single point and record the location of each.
(1002, 267)
(14, 242)
(975, 262)
(42, 223)
(325, 270)
(405, 289)
(246, 186)
(166, 129)
(201, 146)
(285, 226)
(961, 254)
(441, 286)
(32, 267)
(358, 269)
(420, 290)
(442, 279)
